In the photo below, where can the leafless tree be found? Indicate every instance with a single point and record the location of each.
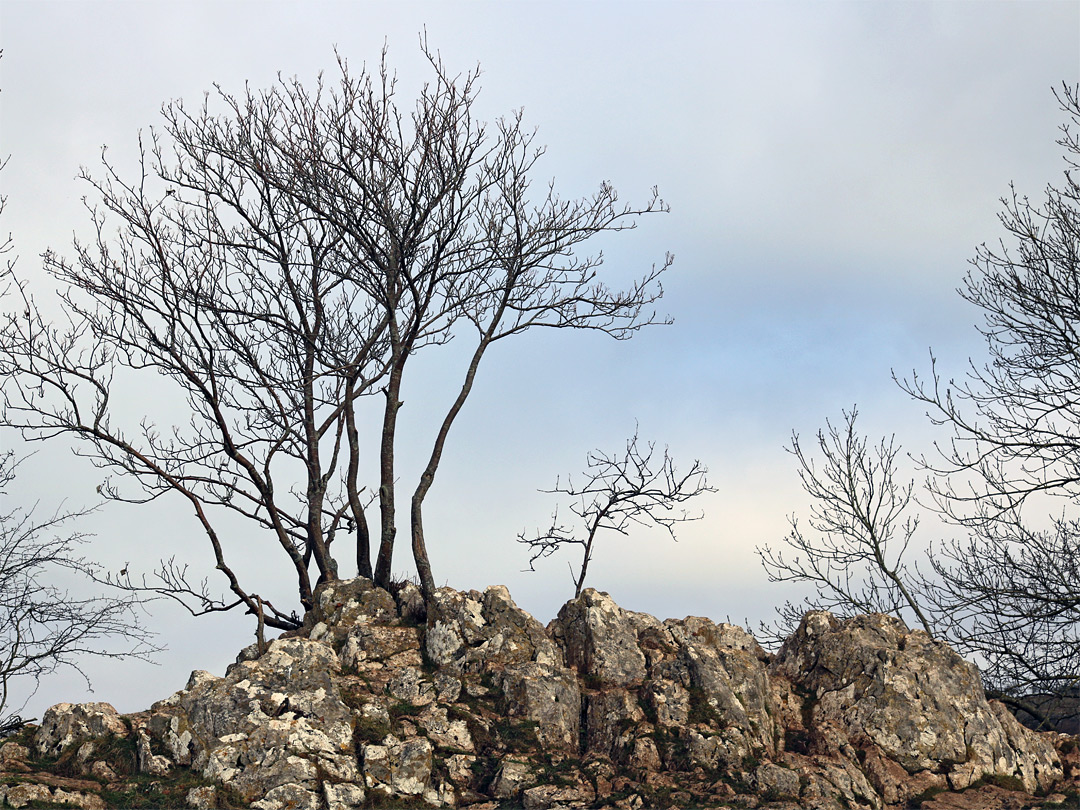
(620, 491)
(1007, 592)
(1010, 474)
(862, 526)
(43, 627)
(278, 262)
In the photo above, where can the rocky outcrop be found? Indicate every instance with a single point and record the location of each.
(469, 701)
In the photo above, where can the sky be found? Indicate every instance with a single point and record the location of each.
(830, 167)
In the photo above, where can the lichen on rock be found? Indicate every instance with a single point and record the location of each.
(469, 701)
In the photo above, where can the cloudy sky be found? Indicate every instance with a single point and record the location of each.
(830, 168)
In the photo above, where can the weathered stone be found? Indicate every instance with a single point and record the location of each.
(470, 632)
(600, 640)
(67, 723)
(271, 722)
(910, 696)
(459, 769)
(511, 779)
(103, 771)
(409, 685)
(398, 768)
(86, 801)
(447, 687)
(444, 732)
(726, 666)
(288, 797)
(342, 604)
(149, 762)
(12, 752)
(19, 796)
(388, 645)
(644, 756)
(202, 798)
(670, 702)
(542, 796)
(776, 782)
(343, 796)
(549, 696)
(410, 604)
(857, 713)
(608, 715)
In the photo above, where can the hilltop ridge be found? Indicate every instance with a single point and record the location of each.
(470, 702)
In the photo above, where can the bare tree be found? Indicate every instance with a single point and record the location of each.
(1007, 592)
(1010, 474)
(620, 491)
(279, 262)
(43, 627)
(862, 526)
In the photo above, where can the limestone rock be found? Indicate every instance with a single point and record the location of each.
(472, 703)
(202, 798)
(726, 667)
(67, 723)
(398, 768)
(288, 797)
(341, 604)
(550, 697)
(19, 796)
(512, 778)
(343, 796)
(911, 697)
(383, 645)
(470, 631)
(272, 722)
(600, 640)
(608, 716)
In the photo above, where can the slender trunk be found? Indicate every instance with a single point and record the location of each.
(316, 486)
(427, 478)
(587, 556)
(386, 476)
(363, 534)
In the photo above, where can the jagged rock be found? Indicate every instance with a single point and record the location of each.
(13, 758)
(459, 768)
(410, 604)
(398, 768)
(911, 697)
(580, 794)
(470, 632)
(149, 762)
(288, 797)
(409, 685)
(67, 723)
(608, 716)
(342, 604)
(550, 697)
(444, 732)
(669, 701)
(512, 778)
(19, 796)
(275, 721)
(85, 801)
(369, 646)
(600, 640)
(202, 798)
(363, 706)
(343, 796)
(727, 665)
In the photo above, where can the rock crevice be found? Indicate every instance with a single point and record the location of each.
(472, 702)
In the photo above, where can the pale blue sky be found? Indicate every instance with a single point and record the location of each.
(830, 168)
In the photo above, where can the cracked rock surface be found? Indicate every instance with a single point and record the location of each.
(469, 701)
